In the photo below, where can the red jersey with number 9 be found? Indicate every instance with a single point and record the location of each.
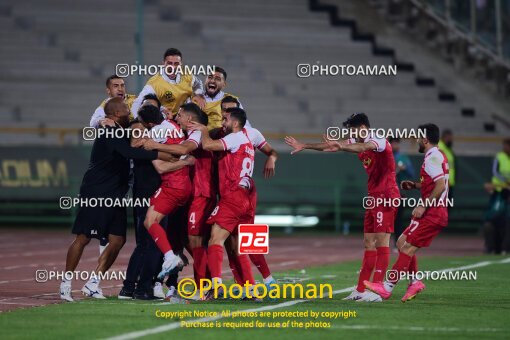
(235, 165)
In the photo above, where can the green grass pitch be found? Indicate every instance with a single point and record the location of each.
(446, 310)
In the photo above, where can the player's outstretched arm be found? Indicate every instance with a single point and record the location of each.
(298, 146)
(354, 147)
(208, 143)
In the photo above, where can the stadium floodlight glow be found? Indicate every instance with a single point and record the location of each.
(287, 220)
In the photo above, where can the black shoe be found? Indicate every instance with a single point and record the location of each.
(144, 296)
(125, 294)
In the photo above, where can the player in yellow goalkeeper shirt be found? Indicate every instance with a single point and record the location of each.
(214, 85)
(173, 88)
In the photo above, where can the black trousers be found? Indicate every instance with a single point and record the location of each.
(145, 261)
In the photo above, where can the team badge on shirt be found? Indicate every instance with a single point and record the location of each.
(169, 96)
(366, 162)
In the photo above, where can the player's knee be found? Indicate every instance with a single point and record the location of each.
(149, 220)
(82, 240)
(216, 239)
(407, 249)
(369, 244)
(401, 241)
(195, 241)
(116, 241)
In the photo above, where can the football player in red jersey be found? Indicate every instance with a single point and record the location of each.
(204, 191)
(427, 221)
(377, 158)
(259, 142)
(236, 189)
(174, 191)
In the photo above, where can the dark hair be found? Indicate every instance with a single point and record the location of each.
(230, 99)
(221, 70)
(152, 96)
(446, 132)
(506, 141)
(134, 121)
(431, 132)
(394, 139)
(356, 120)
(196, 112)
(238, 114)
(150, 114)
(110, 78)
(172, 51)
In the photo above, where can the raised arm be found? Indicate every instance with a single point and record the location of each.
(298, 146)
(147, 89)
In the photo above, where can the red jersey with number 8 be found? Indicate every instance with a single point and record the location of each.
(235, 166)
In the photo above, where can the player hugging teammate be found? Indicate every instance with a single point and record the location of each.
(206, 152)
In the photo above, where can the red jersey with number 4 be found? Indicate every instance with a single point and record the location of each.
(203, 174)
(380, 167)
(178, 179)
(235, 165)
(435, 168)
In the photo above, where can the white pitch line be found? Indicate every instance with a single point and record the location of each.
(175, 325)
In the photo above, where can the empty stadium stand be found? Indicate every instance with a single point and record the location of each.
(56, 54)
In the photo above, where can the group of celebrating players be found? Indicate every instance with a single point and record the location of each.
(198, 175)
(203, 161)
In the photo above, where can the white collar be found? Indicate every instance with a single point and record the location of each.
(177, 79)
(431, 150)
(217, 97)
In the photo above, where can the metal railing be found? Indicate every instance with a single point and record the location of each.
(485, 23)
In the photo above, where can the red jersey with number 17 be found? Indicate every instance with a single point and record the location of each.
(235, 165)
(380, 167)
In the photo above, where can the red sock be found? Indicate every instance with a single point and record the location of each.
(215, 259)
(382, 263)
(259, 260)
(402, 265)
(245, 264)
(367, 266)
(158, 234)
(413, 266)
(235, 267)
(199, 263)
